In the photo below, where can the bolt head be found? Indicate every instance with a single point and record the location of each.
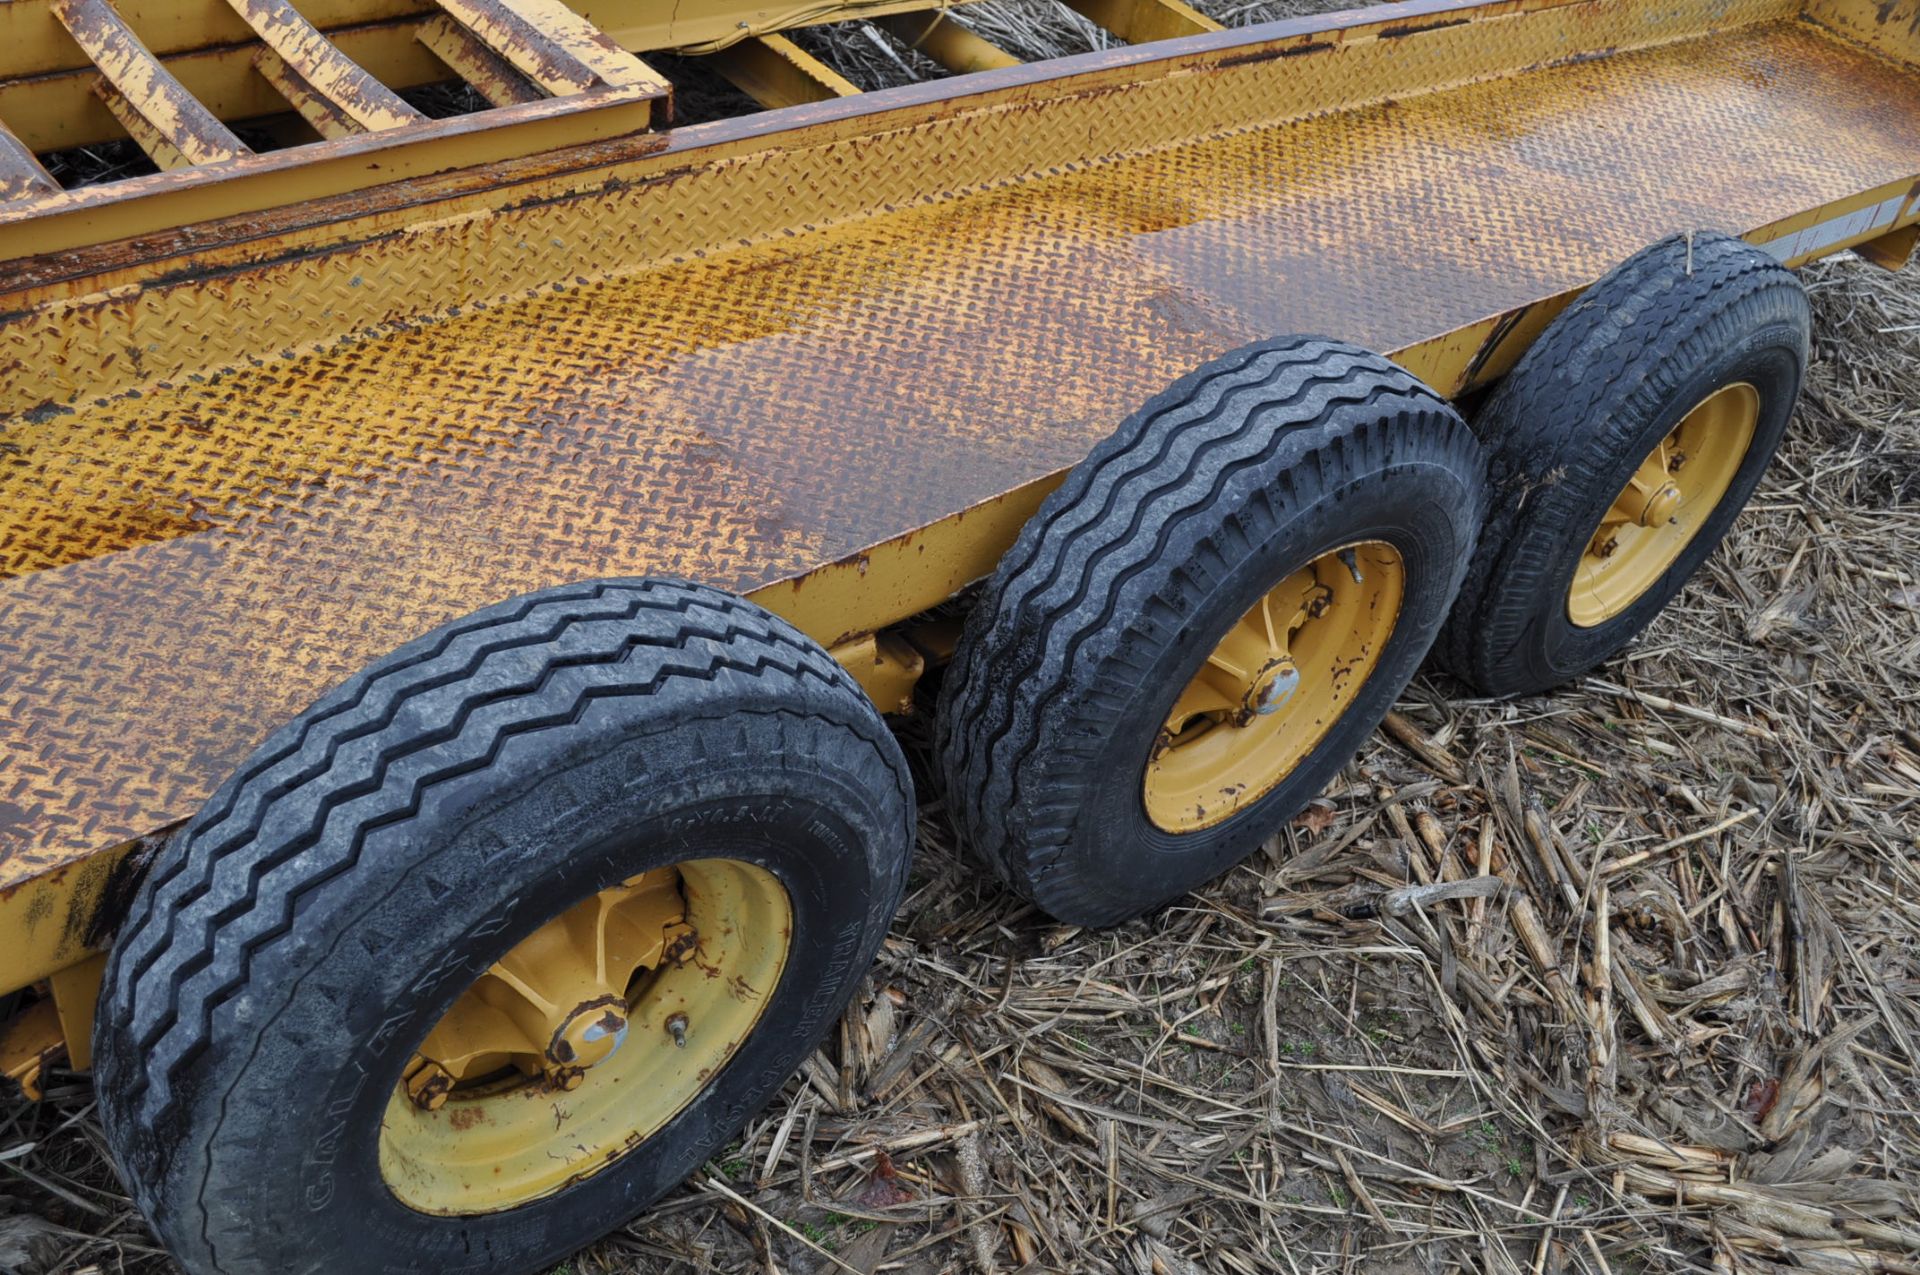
(429, 1087)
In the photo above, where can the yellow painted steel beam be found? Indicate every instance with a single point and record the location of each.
(187, 127)
(33, 44)
(887, 668)
(320, 112)
(21, 176)
(45, 85)
(553, 46)
(159, 147)
(458, 148)
(1888, 27)
(467, 56)
(31, 1042)
(600, 91)
(75, 991)
(947, 41)
(49, 924)
(45, 93)
(334, 93)
(58, 111)
(776, 72)
(1142, 21)
(1890, 251)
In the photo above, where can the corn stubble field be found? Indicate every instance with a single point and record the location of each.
(1623, 978)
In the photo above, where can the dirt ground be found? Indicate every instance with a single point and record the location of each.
(1659, 1014)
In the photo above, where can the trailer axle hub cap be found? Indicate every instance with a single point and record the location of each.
(1661, 506)
(1273, 685)
(591, 1035)
(586, 1037)
(1665, 503)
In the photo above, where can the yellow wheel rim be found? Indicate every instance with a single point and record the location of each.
(1274, 685)
(1663, 506)
(586, 1038)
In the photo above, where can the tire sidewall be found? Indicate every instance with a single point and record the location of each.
(1566, 517)
(518, 860)
(1418, 510)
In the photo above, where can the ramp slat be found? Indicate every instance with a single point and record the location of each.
(159, 147)
(167, 114)
(1143, 21)
(491, 75)
(324, 84)
(21, 176)
(776, 72)
(946, 41)
(313, 106)
(555, 47)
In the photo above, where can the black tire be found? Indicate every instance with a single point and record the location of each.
(294, 943)
(1118, 587)
(1609, 378)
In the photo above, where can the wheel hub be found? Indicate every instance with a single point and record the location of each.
(590, 1034)
(1273, 687)
(586, 1037)
(1275, 682)
(1661, 506)
(557, 1003)
(1665, 502)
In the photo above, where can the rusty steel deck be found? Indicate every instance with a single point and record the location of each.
(833, 359)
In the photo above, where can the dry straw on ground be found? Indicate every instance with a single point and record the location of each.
(1622, 978)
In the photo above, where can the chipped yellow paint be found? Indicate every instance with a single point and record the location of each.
(20, 173)
(126, 64)
(158, 146)
(554, 46)
(491, 75)
(321, 68)
(313, 106)
(1888, 27)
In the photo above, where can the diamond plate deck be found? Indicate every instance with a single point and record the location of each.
(191, 561)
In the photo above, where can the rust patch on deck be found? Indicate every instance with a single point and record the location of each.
(192, 565)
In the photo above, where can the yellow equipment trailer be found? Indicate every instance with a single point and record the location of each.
(443, 548)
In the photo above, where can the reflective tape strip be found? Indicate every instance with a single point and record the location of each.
(1837, 230)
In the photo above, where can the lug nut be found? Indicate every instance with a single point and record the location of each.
(428, 1086)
